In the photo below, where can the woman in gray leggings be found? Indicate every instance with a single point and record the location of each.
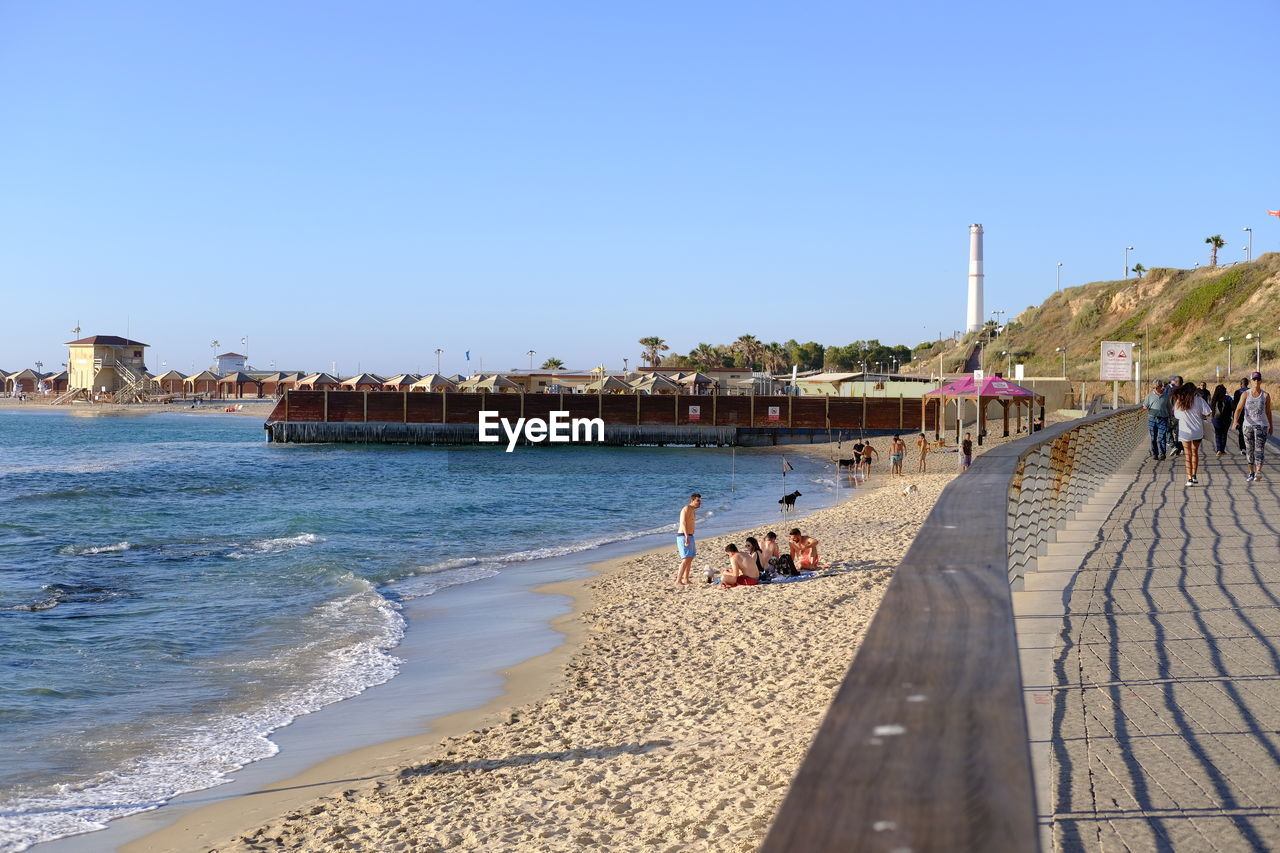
(1255, 410)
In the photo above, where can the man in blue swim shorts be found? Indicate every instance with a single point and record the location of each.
(685, 546)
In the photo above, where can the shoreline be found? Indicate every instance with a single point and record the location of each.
(526, 685)
(522, 683)
(353, 772)
(306, 760)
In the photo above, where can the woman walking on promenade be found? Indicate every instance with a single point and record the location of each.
(1189, 408)
(1254, 410)
(1224, 412)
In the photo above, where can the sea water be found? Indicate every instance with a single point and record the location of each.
(173, 589)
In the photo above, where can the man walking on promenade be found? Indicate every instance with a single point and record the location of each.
(685, 546)
(1157, 405)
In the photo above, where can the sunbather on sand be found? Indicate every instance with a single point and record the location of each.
(804, 551)
(741, 570)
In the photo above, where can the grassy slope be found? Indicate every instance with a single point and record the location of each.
(1178, 316)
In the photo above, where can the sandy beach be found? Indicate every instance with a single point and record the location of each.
(671, 719)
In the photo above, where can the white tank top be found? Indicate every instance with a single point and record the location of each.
(1254, 409)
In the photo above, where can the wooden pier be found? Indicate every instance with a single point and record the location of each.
(452, 418)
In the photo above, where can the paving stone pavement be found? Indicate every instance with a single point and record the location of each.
(1166, 687)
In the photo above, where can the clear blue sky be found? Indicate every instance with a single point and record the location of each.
(366, 182)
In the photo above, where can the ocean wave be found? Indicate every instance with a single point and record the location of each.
(205, 757)
(275, 546)
(90, 550)
(429, 579)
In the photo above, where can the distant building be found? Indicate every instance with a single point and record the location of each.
(105, 363)
(230, 362)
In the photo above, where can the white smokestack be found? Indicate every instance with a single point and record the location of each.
(975, 279)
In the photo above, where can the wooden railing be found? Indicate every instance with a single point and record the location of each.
(924, 747)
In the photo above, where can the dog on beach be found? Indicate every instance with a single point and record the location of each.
(910, 489)
(789, 501)
(848, 463)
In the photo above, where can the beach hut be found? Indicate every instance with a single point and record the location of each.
(318, 382)
(655, 383)
(171, 382)
(288, 381)
(232, 385)
(697, 382)
(205, 382)
(54, 383)
(22, 382)
(497, 385)
(608, 385)
(433, 382)
(269, 384)
(401, 382)
(995, 388)
(364, 382)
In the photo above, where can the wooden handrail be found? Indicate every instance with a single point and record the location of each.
(925, 747)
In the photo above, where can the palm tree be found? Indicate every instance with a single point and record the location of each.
(653, 349)
(1139, 269)
(750, 348)
(705, 356)
(1215, 242)
(552, 364)
(775, 357)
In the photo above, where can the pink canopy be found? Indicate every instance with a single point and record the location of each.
(992, 386)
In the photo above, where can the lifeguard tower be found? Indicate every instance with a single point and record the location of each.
(108, 368)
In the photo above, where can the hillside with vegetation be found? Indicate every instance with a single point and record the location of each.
(1176, 316)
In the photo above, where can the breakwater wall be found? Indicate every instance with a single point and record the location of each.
(451, 418)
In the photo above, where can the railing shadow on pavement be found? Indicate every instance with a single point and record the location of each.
(1201, 598)
(925, 745)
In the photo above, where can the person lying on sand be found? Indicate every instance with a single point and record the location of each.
(804, 550)
(741, 570)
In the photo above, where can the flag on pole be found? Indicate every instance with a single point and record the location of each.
(786, 466)
(1273, 213)
(468, 355)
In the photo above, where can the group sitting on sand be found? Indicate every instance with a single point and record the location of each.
(759, 563)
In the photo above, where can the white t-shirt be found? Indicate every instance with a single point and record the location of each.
(1191, 421)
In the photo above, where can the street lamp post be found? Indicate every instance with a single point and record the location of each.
(1059, 276)
(531, 354)
(1063, 351)
(1248, 248)
(1257, 343)
(1127, 250)
(1227, 341)
(439, 352)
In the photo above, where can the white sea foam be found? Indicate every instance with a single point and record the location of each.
(89, 550)
(275, 546)
(204, 757)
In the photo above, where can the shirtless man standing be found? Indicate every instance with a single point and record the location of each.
(804, 550)
(685, 546)
(897, 450)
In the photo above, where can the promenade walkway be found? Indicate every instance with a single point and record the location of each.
(1165, 680)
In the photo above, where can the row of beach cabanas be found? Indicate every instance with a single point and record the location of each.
(241, 384)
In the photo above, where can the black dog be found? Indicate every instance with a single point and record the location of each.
(789, 501)
(849, 463)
